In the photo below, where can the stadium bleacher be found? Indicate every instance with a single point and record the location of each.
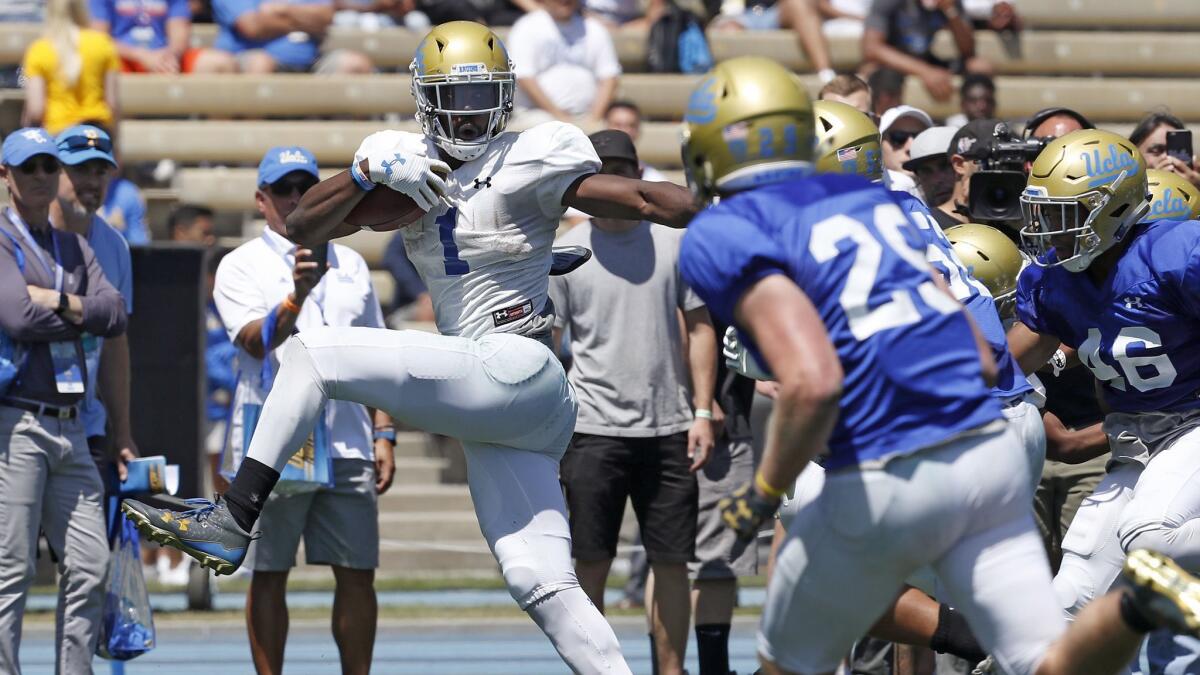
(1114, 59)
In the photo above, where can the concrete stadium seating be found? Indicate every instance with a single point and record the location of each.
(1044, 51)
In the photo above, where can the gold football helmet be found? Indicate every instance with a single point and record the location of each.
(1085, 190)
(1171, 197)
(463, 84)
(847, 141)
(993, 259)
(749, 122)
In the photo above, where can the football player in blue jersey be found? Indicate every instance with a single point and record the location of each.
(1125, 293)
(846, 143)
(880, 371)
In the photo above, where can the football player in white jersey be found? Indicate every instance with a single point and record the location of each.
(493, 201)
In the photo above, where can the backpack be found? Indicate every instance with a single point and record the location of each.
(677, 44)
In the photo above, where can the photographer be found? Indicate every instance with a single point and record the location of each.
(990, 165)
(968, 147)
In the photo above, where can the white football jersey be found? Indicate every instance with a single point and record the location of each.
(485, 253)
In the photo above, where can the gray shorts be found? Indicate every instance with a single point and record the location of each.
(719, 554)
(340, 525)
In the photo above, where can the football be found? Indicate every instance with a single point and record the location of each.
(383, 210)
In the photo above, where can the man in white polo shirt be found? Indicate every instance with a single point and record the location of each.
(266, 290)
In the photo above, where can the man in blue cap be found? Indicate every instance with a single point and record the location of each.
(267, 289)
(52, 293)
(86, 153)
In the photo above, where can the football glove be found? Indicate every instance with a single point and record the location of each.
(421, 178)
(745, 511)
(739, 360)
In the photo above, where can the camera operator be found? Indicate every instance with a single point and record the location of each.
(1050, 123)
(989, 163)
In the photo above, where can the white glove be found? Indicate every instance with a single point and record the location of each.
(420, 178)
(739, 360)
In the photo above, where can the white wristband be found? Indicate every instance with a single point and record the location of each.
(703, 414)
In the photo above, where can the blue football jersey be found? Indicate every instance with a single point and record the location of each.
(1138, 330)
(912, 374)
(974, 296)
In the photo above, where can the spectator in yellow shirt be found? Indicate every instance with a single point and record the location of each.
(70, 72)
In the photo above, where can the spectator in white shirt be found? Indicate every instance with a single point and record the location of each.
(566, 64)
(266, 289)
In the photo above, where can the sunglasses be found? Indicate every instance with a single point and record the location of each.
(83, 143)
(284, 188)
(899, 138)
(47, 164)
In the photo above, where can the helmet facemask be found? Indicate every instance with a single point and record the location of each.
(464, 111)
(1068, 224)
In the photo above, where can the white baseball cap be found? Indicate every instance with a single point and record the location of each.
(932, 142)
(892, 114)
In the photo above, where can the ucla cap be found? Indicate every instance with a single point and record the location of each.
(24, 143)
(84, 142)
(282, 160)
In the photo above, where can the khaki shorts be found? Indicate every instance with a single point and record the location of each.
(340, 525)
(719, 553)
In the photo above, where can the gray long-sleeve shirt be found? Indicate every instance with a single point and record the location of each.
(21, 319)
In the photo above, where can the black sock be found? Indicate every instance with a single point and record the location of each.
(954, 636)
(653, 655)
(251, 486)
(712, 648)
(1133, 616)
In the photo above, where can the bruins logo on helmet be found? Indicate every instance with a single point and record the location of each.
(748, 122)
(992, 258)
(1085, 190)
(847, 141)
(463, 84)
(1171, 197)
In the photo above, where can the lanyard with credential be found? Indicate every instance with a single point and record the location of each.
(56, 270)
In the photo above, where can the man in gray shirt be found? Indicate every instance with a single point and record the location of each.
(53, 297)
(636, 435)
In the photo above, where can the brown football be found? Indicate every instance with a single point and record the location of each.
(383, 209)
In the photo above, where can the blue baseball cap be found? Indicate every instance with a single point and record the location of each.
(282, 160)
(24, 143)
(84, 142)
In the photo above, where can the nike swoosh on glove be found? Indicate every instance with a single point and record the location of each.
(421, 178)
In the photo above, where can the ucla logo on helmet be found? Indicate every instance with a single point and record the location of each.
(1169, 207)
(702, 104)
(1103, 168)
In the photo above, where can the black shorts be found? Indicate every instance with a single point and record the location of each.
(599, 472)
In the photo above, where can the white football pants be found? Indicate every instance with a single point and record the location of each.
(1154, 507)
(507, 399)
(856, 535)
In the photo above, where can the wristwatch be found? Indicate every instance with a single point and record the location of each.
(388, 435)
(62, 303)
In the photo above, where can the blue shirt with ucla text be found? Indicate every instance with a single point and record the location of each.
(912, 372)
(1138, 329)
(974, 296)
